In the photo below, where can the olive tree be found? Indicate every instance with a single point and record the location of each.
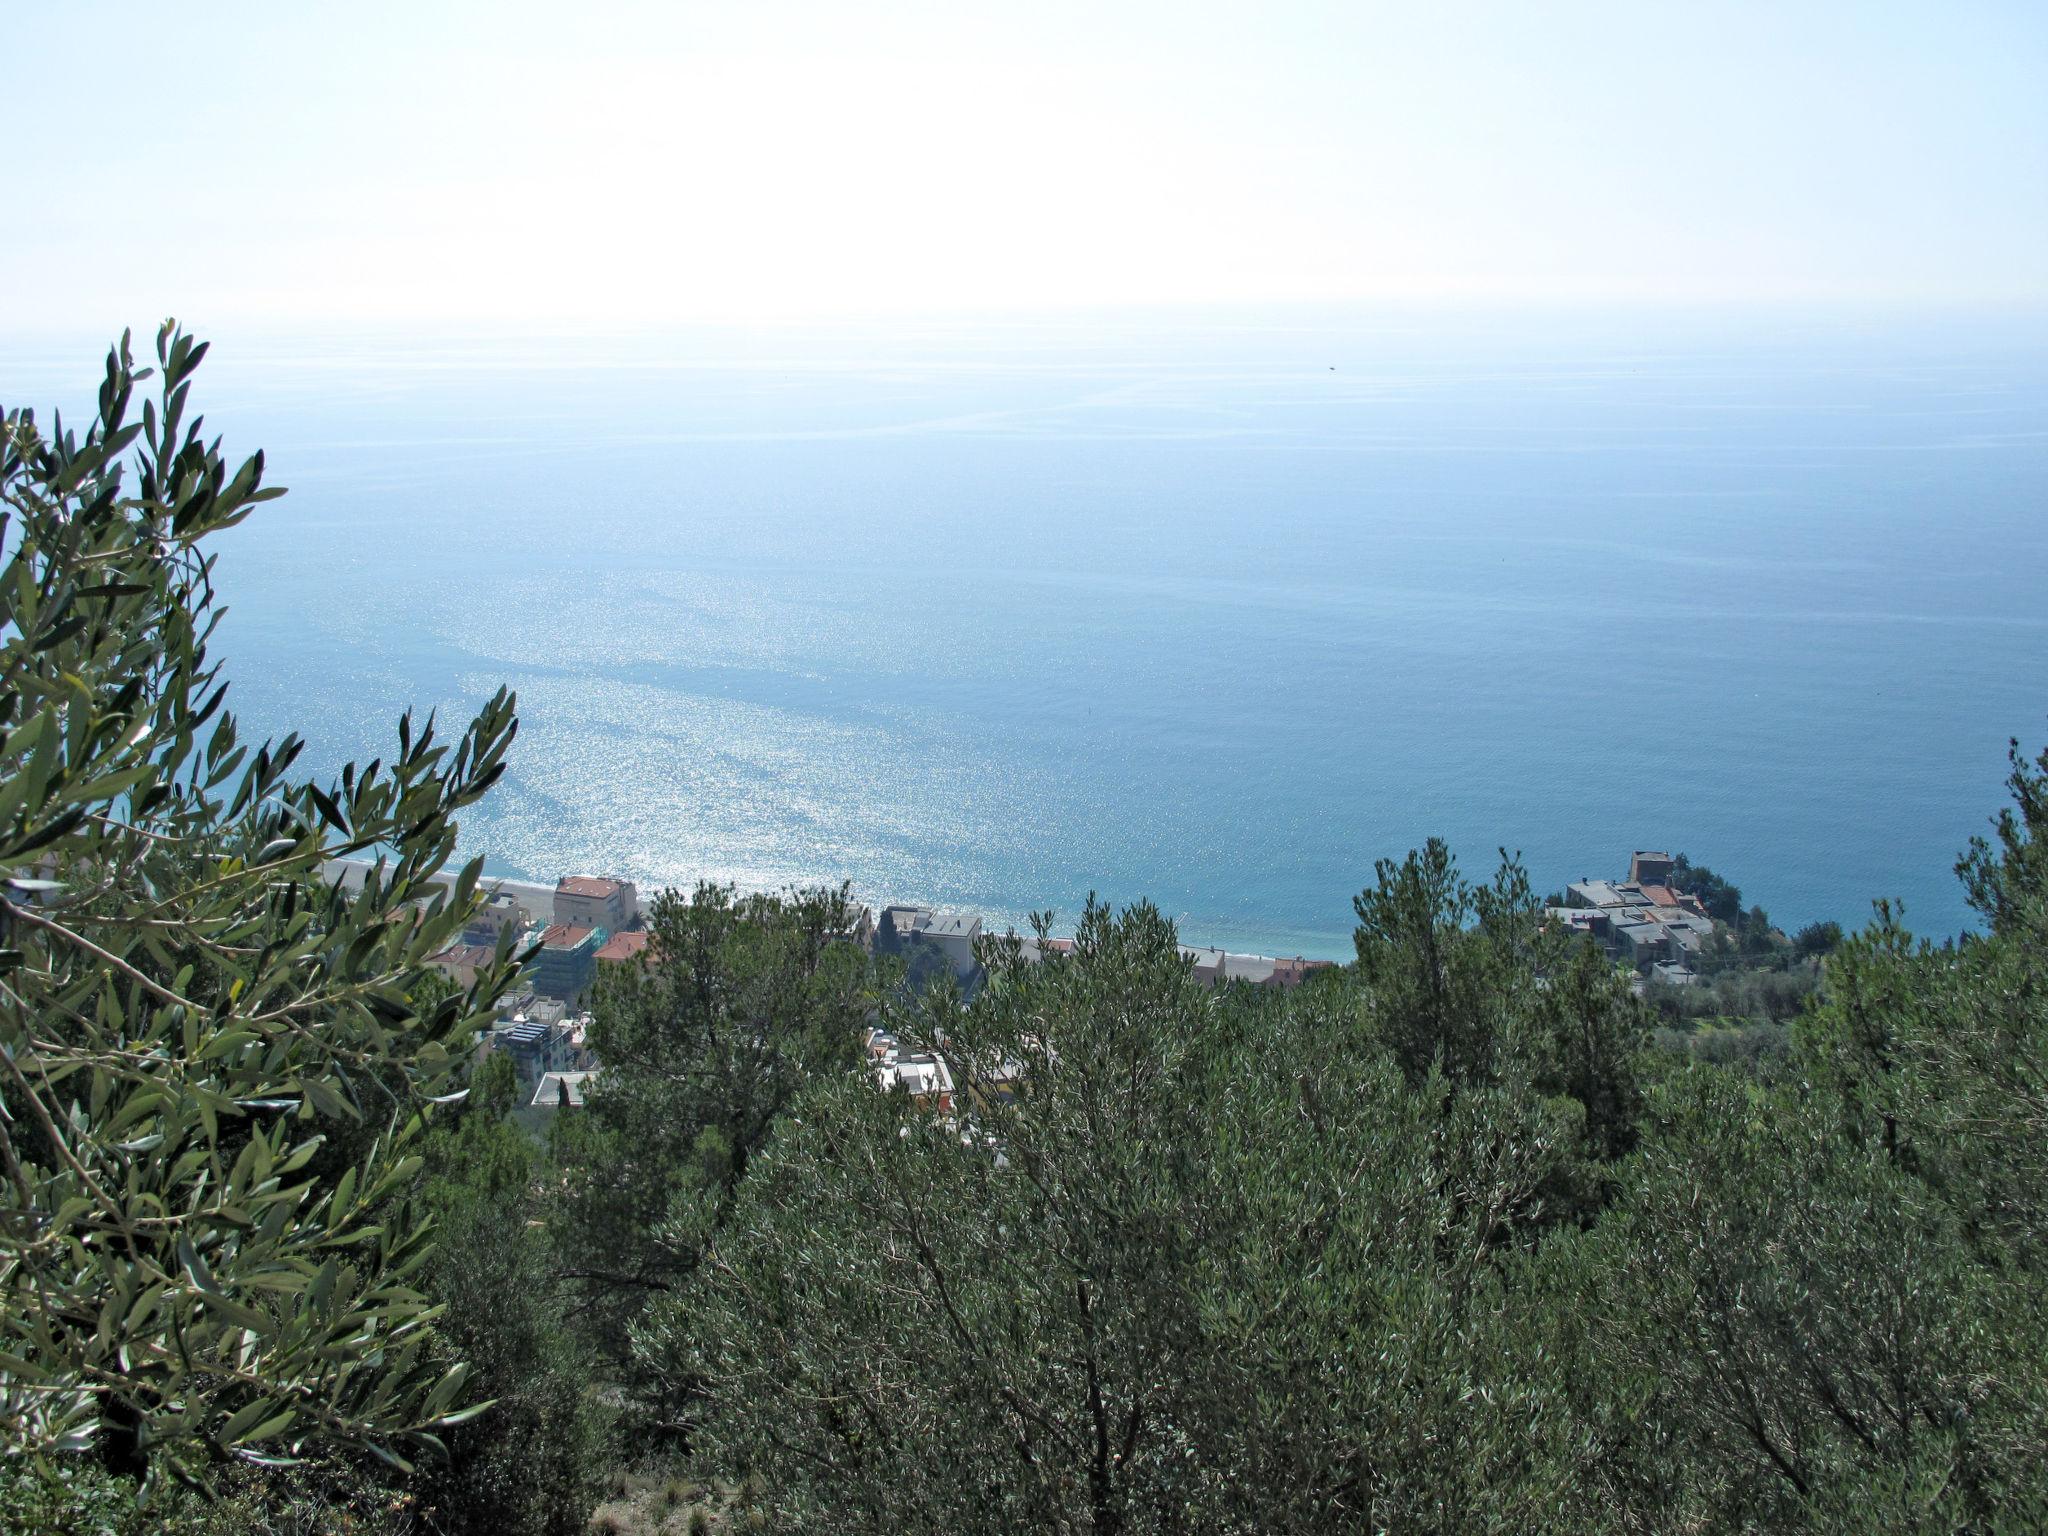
(213, 1066)
(1173, 1259)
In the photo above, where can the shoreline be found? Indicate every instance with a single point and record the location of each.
(539, 900)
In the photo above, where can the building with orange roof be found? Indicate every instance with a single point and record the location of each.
(567, 960)
(596, 901)
(626, 948)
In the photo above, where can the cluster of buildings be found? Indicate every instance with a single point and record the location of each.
(1641, 921)
(1219, 967)
(585, 922)
(924, 1075)
(588, 921)
(928, 1078)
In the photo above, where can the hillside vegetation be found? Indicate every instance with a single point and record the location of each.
(1443, 1240)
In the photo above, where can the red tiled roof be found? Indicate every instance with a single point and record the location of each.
(1661, 895)
(566, 935)
(585, 885)
(628, 944)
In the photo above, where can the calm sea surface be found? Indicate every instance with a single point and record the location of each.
(1216, 613)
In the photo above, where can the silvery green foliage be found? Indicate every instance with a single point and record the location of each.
(212, 1066)
(754, 998)
(1176, 1261)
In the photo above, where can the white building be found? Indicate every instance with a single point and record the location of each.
(562, 1090)
(922, 1075)
(953, 934)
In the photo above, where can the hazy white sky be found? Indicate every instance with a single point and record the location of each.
(612, 162)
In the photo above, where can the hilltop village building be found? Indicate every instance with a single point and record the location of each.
(860, 927)
(1648, 869)
(952, 934)
(460, 962)
(1213, 967)
(1220, 967)
(1642, 922)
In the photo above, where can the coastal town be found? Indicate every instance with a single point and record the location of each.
(584, 923)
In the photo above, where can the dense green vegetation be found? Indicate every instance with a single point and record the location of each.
(217, 1077)
(1432, 1244)
(226, 1085)
(1462, 1236)
(704, 1058)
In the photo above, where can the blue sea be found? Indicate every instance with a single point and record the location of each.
(1212, 609)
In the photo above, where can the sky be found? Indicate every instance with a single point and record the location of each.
(611, 164)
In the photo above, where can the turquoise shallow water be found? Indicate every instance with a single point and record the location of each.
(1213, 612)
